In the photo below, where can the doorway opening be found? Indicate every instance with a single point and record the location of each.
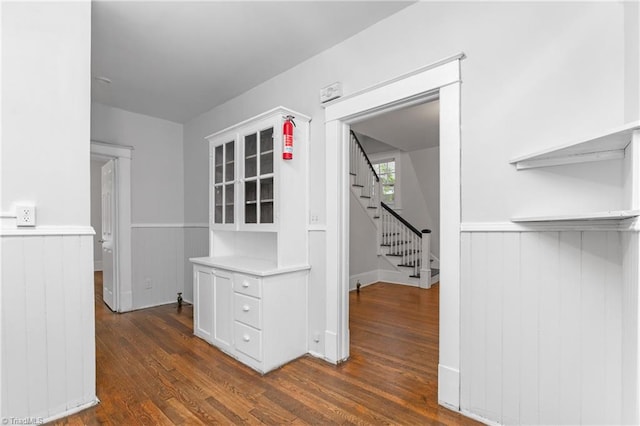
(394, 208)
(114, 239)
(441, 81)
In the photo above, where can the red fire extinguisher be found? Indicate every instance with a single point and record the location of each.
(287, 137)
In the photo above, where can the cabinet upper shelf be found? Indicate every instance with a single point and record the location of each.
(603, 146)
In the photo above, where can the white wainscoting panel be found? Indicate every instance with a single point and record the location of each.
(630, 329)
(48, 325)
(549, 327)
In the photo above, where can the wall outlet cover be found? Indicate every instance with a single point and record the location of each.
(25, 215)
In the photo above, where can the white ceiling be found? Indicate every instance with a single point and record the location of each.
(406, 129)
(178, 59)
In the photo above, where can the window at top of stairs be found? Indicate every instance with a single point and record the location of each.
(386, 170)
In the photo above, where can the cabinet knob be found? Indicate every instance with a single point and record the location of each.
(245, 308)
(245, 284)
(246, 338)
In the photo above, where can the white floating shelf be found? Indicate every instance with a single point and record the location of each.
(604, 146)
(610, 215)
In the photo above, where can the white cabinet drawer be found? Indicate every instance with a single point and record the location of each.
(247, 310)
(247, 285)
(248, 341)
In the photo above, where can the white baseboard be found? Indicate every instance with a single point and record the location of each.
(397, 277)
(449, 387)
(479, 418)
(365, 278)
(385, 275)
(72, 411)
(97, 265)
(331, 347)
(126, 301)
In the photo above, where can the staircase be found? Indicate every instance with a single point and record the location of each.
(406, 249)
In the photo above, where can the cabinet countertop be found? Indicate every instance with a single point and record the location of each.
(247, 265)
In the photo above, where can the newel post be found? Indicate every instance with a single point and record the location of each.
(425, 262)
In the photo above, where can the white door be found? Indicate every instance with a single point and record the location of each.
(109, 276)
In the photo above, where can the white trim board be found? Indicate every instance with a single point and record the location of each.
(110, 150)
(629, 225)
(47, 231)
(258, 117)
(608, 215)
(67, 413)
(169, 225)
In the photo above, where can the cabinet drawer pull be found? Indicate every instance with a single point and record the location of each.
(246, 338)
(245, 284)
(245, 308)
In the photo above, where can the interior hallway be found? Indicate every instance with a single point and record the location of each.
(152, 370)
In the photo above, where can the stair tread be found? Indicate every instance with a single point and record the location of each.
(365, 196)
(357, 185)
(403, 254)
(434, 272)
(371, 207)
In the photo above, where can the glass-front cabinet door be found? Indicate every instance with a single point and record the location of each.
(223, 183)
(258, 177)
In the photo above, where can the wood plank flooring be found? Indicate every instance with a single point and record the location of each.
(152, 370)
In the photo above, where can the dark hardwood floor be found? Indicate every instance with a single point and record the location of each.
(152, 370)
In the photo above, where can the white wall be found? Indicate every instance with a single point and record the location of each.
(632, 62)
(157, 166)
(48, 347)
(425, 166)
(157, 194)
(363, 240)
(535, 73)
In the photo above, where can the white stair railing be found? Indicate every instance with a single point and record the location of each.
(365, 176)
(411, 246)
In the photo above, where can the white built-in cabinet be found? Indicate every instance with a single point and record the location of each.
(250, 293)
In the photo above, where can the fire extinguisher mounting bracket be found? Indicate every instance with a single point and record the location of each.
(290, 118)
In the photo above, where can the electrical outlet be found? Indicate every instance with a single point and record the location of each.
(25, 215)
